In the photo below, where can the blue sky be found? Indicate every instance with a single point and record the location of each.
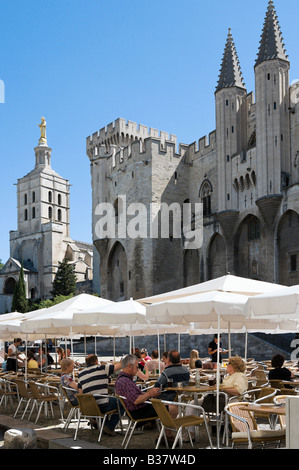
(84, 63)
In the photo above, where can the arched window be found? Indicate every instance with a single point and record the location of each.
(33, 212)
(50, 196)
(59, 217)
(26, 214)
(205, 196)
(59, 199)
(33, 196)
(50, 213)
(25, 199)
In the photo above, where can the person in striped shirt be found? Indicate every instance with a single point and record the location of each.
(94, 379)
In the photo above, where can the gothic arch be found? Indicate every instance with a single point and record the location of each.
(205, 194)
(117, 273)
(216, 257)
(288, 248)
(250, 249)
(9, 286)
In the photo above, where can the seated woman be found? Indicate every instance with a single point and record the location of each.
(67, 380)
(278, 372)
(234, 384)
(31, 362)
(195, 362)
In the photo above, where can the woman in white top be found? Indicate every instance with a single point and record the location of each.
(235, 383)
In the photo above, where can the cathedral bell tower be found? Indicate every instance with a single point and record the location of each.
(272, 117)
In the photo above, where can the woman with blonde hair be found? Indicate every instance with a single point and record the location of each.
(235, 383)
(195, 362)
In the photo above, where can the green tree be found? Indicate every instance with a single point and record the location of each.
(19, 301)
(65, 279)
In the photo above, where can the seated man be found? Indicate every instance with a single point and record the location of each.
(134, 397)
(176, 372)
(154, 363)
(94, 379)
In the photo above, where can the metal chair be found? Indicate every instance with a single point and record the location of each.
(25, 396)
(132, 422)
(88, 409)
(73, 408)
(245, 429)
(41, 397)
(8, 391)
(180, 423)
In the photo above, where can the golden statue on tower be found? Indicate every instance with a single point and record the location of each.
(43, 136)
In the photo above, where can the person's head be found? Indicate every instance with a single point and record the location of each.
(174, 357)
(277, 361)
(155, 354)
(193, 358)
(17, 341)
(235, 364)
(67, 366)
(164, 357)
(91, 360)
(129, 364)
(216, 338)
(137, 353)
(59, 350)
(143, 353)
(30, 355)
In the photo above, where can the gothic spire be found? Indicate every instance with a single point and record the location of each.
(230, 72)
(271, 44)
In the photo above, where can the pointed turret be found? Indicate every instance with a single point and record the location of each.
(271, 44)
(230, 72)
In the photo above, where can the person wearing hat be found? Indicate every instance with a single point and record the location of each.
(213, 347)
(12, 355)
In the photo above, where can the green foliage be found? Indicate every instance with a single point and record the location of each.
(19, 301)
(65, 280)
(38, 304)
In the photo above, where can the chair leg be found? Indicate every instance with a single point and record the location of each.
(131, 434)
(177, 438)
(26, 408)
(162, 433)
(190, 438)
(127, 432)
(208, 434)
(77, 428)
(102, 427)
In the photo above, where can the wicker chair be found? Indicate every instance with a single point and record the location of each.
(73, 408)
(25, 396)
(88, 408)
(8, 391)
(178, 424)
(132, 422)
(41, 397)
(276, 383)
(245, 429)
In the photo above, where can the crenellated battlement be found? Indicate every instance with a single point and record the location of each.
(204, 145)
(122, 133)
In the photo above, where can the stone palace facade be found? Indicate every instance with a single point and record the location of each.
(245, 173)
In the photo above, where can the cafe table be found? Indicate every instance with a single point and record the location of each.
(266, 409)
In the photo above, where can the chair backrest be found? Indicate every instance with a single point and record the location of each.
(163, 413)
(269, 393)
(23, 390)
(275, 383)
(260, 374)
(237, 425)
(123, 402)
(35, 391)
(64, 392)
(88, 405)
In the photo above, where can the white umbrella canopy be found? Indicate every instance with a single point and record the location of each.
(207, 306)
(280, 302)
(59, 318)
(228, 283)
(120, 313)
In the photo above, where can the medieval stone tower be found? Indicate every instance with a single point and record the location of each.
(245, 174)
(43, 235)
